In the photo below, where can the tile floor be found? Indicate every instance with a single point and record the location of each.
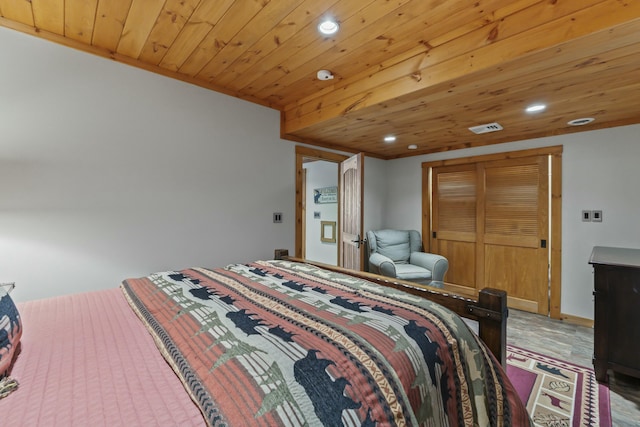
(574, 344)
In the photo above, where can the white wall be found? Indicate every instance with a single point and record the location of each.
(108, 172)
(600, 170)
(320, 174)
(375, 193)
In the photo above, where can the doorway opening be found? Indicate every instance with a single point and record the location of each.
(317, 170)
(320, 210)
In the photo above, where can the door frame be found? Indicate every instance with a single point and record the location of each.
(301, 154)
(555, 216)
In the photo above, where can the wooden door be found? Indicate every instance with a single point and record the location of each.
(351, 249)
(515, 240)
(303, 216)
(454, 217)
(491, 220)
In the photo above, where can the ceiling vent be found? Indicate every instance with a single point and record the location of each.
(489, 127)
(581, 122)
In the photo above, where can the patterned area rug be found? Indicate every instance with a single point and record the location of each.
(558, 393)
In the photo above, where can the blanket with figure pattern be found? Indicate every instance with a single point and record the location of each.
(283, 343)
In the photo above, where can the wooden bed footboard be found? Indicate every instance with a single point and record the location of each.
(489, 309)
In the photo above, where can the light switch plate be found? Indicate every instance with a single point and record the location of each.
(586, 216)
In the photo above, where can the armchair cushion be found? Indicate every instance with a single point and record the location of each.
(394, 244)
(412, 273)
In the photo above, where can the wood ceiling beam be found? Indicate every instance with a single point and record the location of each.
(577, 57)
(610, 19)
(481, 103)
(473, 98)
(398, 39)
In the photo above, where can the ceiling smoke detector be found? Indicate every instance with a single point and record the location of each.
(489, 127)
(325, 75)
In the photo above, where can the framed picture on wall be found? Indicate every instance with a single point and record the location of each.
(328, 231)
(325, 195)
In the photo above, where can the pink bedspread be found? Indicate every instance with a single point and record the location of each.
(87, 360)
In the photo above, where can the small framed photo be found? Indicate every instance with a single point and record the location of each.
(328, 231)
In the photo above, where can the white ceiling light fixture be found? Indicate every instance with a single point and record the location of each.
(328, 27)
(536, 108)
(390, 138)
(580, 122)
(413, 147)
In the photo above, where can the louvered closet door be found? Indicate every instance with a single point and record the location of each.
(454, 193)
(490, 219)
(516, 231)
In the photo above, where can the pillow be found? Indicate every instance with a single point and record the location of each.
(10, 333)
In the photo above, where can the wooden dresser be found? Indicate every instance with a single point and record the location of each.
(617, 311)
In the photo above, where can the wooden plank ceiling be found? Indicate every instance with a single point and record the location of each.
(422, 70)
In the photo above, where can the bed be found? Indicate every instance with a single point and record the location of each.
(266, 343)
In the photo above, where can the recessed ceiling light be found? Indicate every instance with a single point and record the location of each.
(535, 108)
(580, 122)
(389, 138)
(328, 27)
(412, 147)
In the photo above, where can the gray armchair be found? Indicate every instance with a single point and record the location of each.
(398, 254)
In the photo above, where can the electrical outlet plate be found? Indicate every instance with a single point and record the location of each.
(596, 216)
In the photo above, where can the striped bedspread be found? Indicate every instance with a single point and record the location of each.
(282, 343)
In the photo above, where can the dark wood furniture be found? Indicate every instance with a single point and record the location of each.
(617, 311)
(489, 309)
